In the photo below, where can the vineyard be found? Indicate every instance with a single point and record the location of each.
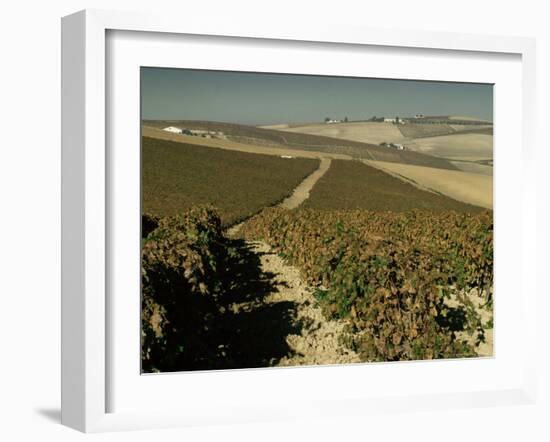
(355, 185)
(411, 285)
(177, 176)
(401, 280)
(203, 299)
(314, 143)
(381, 270)
(183, 261)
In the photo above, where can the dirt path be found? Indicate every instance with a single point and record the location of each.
(275, 315)
(301, 193)
(311, 339)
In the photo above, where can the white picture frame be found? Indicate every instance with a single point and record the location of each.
(86, 201)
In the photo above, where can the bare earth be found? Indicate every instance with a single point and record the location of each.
(485, 349)
(458, 146)
(481, 169)
(318, 341)
(276, 126)
(301, 193)
(467, 146)
(459, 127)
(233, 145)
(467, 187)
(365, 132)
(466, 118)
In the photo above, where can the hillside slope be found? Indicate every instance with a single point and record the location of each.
(177, 176)
(307, 142)
(355, 185)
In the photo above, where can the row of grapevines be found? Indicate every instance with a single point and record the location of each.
(182, 271)
(389, 273)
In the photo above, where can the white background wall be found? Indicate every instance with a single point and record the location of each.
(30, 219)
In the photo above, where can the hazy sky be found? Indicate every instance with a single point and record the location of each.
(255, 98)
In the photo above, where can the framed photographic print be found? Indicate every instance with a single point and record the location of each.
(275, 237)
(262, 223)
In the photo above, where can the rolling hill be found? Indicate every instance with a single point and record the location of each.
(355, 185)
(177, 176)
(306, 142)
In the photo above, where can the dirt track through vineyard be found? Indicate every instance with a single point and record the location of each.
(301, 193)
(313, 340)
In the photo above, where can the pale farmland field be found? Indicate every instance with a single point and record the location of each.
(278, 142)
(365, 132)
(472, 188)
(350, 185)
(472, 147)
(467, 127)
(466, 118)
(471, 167)
(227, 144)
(418, 130)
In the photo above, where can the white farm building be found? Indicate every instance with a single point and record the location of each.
(174, 130)
(195, 132)
(395, 120)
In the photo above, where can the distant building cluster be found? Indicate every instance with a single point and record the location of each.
(416, 119)
(195, 132)
(393, 146)
(174, 130)
(395, 120)
(329, 120)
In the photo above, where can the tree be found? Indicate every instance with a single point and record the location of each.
(327, 119)
(345, 119)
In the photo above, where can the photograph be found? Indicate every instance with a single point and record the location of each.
(304, 220)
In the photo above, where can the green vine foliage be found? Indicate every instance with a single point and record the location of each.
(182, 277)
(389, 274)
